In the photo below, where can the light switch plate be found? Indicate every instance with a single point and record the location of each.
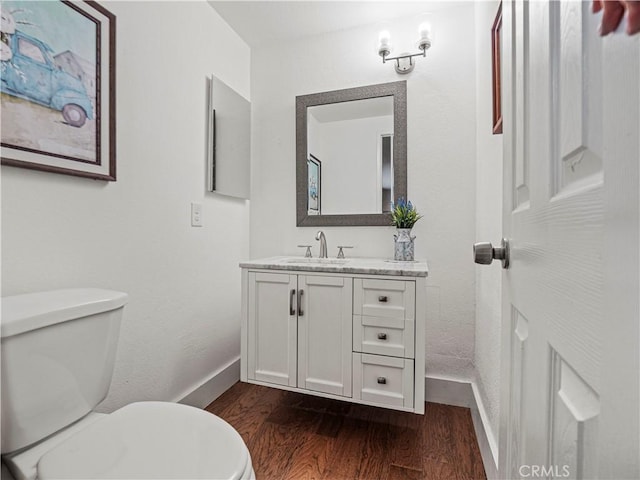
(196, 214)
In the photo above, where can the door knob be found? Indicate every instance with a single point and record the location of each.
(484, 253)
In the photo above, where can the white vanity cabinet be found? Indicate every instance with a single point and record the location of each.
(345, 331)
(299, 331)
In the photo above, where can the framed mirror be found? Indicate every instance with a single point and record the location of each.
(351, 155)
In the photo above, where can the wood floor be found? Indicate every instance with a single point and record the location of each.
(301, 437)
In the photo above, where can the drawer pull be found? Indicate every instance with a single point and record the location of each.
(382, 336)
(382, 380)
(300, 312)
(292, 311)
(383, 298)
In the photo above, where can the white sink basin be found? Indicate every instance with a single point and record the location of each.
(316, 261)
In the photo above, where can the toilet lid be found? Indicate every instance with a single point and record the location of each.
(150, 440)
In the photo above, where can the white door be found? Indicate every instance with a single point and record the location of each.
(272, 328)
(325, 334)
(570, 318)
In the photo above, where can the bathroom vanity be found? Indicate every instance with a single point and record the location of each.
(349, 329)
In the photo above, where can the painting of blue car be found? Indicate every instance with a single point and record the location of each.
(30, 72)
(49, 80)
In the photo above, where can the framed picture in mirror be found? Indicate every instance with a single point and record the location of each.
(314, 170)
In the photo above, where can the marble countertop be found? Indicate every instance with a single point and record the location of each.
(369, 266)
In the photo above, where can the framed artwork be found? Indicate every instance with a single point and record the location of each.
(314, 172)
(58, 87)
(496, 32)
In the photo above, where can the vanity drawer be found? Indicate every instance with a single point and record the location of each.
(383, 380)
(383, 336)
(384, 298)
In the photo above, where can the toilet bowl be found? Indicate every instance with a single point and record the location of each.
(151, 440)
(58, 351)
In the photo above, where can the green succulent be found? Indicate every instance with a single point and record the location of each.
(404, 214)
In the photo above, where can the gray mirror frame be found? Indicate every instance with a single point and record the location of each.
(399, 92)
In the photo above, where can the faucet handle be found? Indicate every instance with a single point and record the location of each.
(340, 252)
(307, 254)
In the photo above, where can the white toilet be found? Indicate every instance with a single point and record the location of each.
(58, 351)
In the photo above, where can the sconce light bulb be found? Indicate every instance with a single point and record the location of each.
(384, 43)
(384, 38)
(424, 31)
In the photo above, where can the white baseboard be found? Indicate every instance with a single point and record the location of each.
(449, 391)
(219, 383)
(488, 460)
(461, 393)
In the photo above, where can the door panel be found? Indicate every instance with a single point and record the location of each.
(576, 54)
(574, 415)
(272, 329)
(325, 334)
(521, 193)
(516, 440)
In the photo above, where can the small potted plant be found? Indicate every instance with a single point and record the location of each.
(403, 217)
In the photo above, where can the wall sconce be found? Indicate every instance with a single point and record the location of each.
(404, 61)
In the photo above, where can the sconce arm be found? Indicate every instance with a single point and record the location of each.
(401, 57)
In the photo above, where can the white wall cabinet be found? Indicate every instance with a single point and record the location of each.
(337, 335)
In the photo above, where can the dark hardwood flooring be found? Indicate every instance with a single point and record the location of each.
(292, 436)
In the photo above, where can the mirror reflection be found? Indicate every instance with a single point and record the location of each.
(350, 148)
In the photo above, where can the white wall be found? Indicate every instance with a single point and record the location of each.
(441, 160)
(488, 226)
(134, 235)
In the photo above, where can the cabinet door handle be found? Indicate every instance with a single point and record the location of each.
(382, 336)
(300, 312)
(292, 311)
(382, 380)
(383, 298)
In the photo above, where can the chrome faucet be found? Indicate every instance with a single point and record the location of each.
(323, 244)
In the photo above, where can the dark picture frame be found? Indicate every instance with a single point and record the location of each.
(314, 185)
(68, 124)
(496, 32)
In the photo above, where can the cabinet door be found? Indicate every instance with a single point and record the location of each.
(272, 328)
(325, 334)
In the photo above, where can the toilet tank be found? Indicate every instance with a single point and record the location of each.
(58, 351)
